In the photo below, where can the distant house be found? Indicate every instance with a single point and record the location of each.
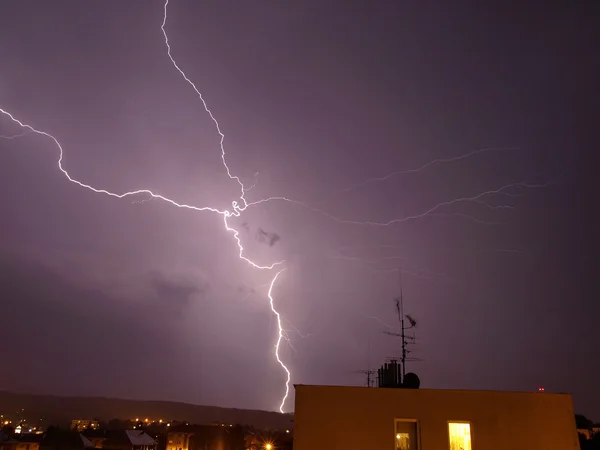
(20, 442)
(29, 441)
(84, 424)
(96, 437)
(9, 444)
(65, 440)
(589, 433)
(129, 440)
(178, 439)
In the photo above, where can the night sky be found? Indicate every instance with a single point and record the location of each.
(136, 298)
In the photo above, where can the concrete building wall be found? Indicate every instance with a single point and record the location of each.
(356, 418)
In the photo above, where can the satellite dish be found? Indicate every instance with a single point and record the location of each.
(411, 381)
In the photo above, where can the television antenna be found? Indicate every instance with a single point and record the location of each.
(368, 372)
(412, 323)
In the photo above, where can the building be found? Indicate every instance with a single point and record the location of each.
(84, 424)
(359, 418)
(129, 440)
(65, 440)
(96, 437)
(28, 441)
(8, 443)
(178, 439)
(11, 444)
(589, 433)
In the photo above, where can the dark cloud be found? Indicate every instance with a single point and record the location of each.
(60, 337)
(178, 290)
(267, 237)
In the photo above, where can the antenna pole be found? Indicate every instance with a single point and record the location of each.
(369, 364)
(400, 307)
(403, 330)
(390, 375)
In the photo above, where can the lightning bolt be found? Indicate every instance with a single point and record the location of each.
(237, 206)
(280, 336)
(431, 212)
(14, 136)
(429, 164)
(221, 135)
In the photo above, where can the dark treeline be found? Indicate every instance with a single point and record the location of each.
(591, 440)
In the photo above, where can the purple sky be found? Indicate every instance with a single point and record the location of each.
(140, 299)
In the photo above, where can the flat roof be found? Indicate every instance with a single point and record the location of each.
(463, 391)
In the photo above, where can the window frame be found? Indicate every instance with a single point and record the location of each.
(460, 422)
(417, 430)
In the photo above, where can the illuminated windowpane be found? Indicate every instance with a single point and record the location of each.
(402, 441)
(460, 436)
(406, 435)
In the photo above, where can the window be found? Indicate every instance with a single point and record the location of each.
(460, 435)
(406, 435)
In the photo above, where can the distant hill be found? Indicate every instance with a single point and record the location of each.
(61, 410)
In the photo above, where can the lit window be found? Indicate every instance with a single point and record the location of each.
(406, 435)
(460, 435)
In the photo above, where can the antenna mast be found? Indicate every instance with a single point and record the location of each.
(400, 309)
(369, 372)
(402, 335)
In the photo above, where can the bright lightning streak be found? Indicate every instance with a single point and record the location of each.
(252, 186)
(487, 205)
(104, 191)
(236, 236)
(430, 212)
(191, 83)
(280, 336)
(237, 208)
(297, 330)
(429, 164)
(14, 136)
(377, 319)
(225, 214)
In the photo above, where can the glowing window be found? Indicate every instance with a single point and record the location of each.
(460, 435)
(406, 435)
